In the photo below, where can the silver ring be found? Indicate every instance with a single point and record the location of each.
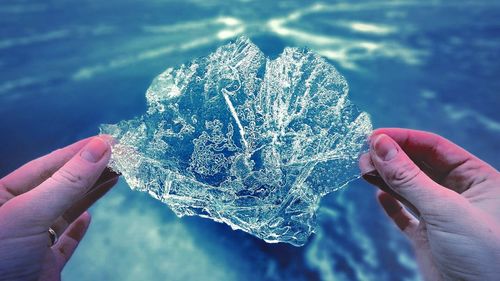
(53, 237)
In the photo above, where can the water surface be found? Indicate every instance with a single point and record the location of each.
(68, 66)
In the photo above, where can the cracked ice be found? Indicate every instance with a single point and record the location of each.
(244, 140)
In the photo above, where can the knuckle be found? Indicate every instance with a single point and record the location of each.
(67, 177)
(67, 247)
(3, 187)
(5, 193)
(44, 174)
(404, 174)
(63, 251)
(41, 168)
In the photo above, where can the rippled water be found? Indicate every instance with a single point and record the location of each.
(68, 66)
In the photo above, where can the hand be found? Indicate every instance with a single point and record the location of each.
(52, 191)
(455, 198)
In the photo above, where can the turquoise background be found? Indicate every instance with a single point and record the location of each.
(68, 66)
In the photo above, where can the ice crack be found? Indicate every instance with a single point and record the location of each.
(298, 139)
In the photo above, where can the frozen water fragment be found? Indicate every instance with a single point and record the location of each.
(248, 141)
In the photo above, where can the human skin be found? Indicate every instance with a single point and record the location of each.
(52, 191)
(454, 198)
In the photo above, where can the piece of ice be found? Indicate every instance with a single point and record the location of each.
(248, 141)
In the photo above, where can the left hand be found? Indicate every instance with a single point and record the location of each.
(53, 191)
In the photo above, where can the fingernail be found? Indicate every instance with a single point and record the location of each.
(94, 150)
(384, 147)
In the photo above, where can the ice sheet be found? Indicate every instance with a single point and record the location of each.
(245, 140)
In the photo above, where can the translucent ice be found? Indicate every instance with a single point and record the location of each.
(248, 141)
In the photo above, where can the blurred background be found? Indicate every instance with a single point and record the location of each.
(68, 66)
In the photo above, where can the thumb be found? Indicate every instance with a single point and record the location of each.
(404, 177)
(41, 206)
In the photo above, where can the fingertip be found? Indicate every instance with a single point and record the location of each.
(392, 132)
(86, 216)
(381, 196)
(384, 148)
(79, 227)
(379, 193)
(96, 150)
(108, 139)
(378, 132)
(374, 134)
(86, 219)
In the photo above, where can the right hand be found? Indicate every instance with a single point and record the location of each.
(455, 196)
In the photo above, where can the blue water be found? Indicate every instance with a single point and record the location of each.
(68, 66)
